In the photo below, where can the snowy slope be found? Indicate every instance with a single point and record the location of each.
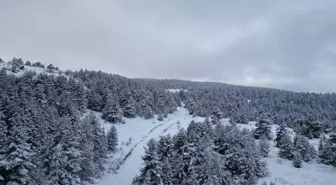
(141, 131)
(282, 172)
(37, 70)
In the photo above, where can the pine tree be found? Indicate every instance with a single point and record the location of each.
(322, 142)
(280, 132)
(94, 138)
(286, 147)
(129, 109)
(327, 155)
(16, 154)
(112, 111)
(307, 152)
(63, 160)
(150, 174)
(147, 112)
(297, 162)
(160, 117)
(264, 147)
(164, 153)
(112, 139)
(262, 129)
(181, 156)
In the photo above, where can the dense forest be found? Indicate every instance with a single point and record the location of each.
(45, 137)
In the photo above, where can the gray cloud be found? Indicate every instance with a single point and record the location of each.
(282, 44)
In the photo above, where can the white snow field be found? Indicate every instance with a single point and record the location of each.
(141, 131)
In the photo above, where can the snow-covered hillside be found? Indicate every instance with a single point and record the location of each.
(282, 171)
(20, 72)
(134, 135)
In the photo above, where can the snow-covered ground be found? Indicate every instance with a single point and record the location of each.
(37, 70)
(175, 90)
(282, 171)
(140, 131)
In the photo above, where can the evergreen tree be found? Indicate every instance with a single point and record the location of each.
(151, 173)
(112, 139)
(112, 111)
(322, 142)
(280, 132)
(28, 63)
(129, 109)
(306, 151)
(264, 147)
(286, 147)
(16, 154)
(262, 130)
(63, 160)
(165, 153)
(160, 117)
(327, 155)
(95, 137)
(297, 162)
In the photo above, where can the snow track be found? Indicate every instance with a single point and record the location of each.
(132, 149)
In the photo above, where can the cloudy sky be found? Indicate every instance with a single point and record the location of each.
(280, 43)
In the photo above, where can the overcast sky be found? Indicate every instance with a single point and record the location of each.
(280, 43)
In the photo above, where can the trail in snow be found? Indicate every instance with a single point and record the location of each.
(133, 161)
(131, 151)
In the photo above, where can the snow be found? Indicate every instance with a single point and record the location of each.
(141, 131)
(37, 70)
(175, 90)
(282, 172)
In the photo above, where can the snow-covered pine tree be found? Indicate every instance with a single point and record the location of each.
(181, 157)
(129, 109)
(145, 110)
(112, 139)
(87, 165)
(16, 154)
(297, 161)
(151, 172)
(63, 160)
(160, 117)
(307, 152)
(94, 135)
(216, 116)
(280, 132)
(262, 129)
(94, 100)
(3, 132)
(165, 152)
(112, 111)
(286, 147)
(322, 142)
(327, 155)
(264, 147)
